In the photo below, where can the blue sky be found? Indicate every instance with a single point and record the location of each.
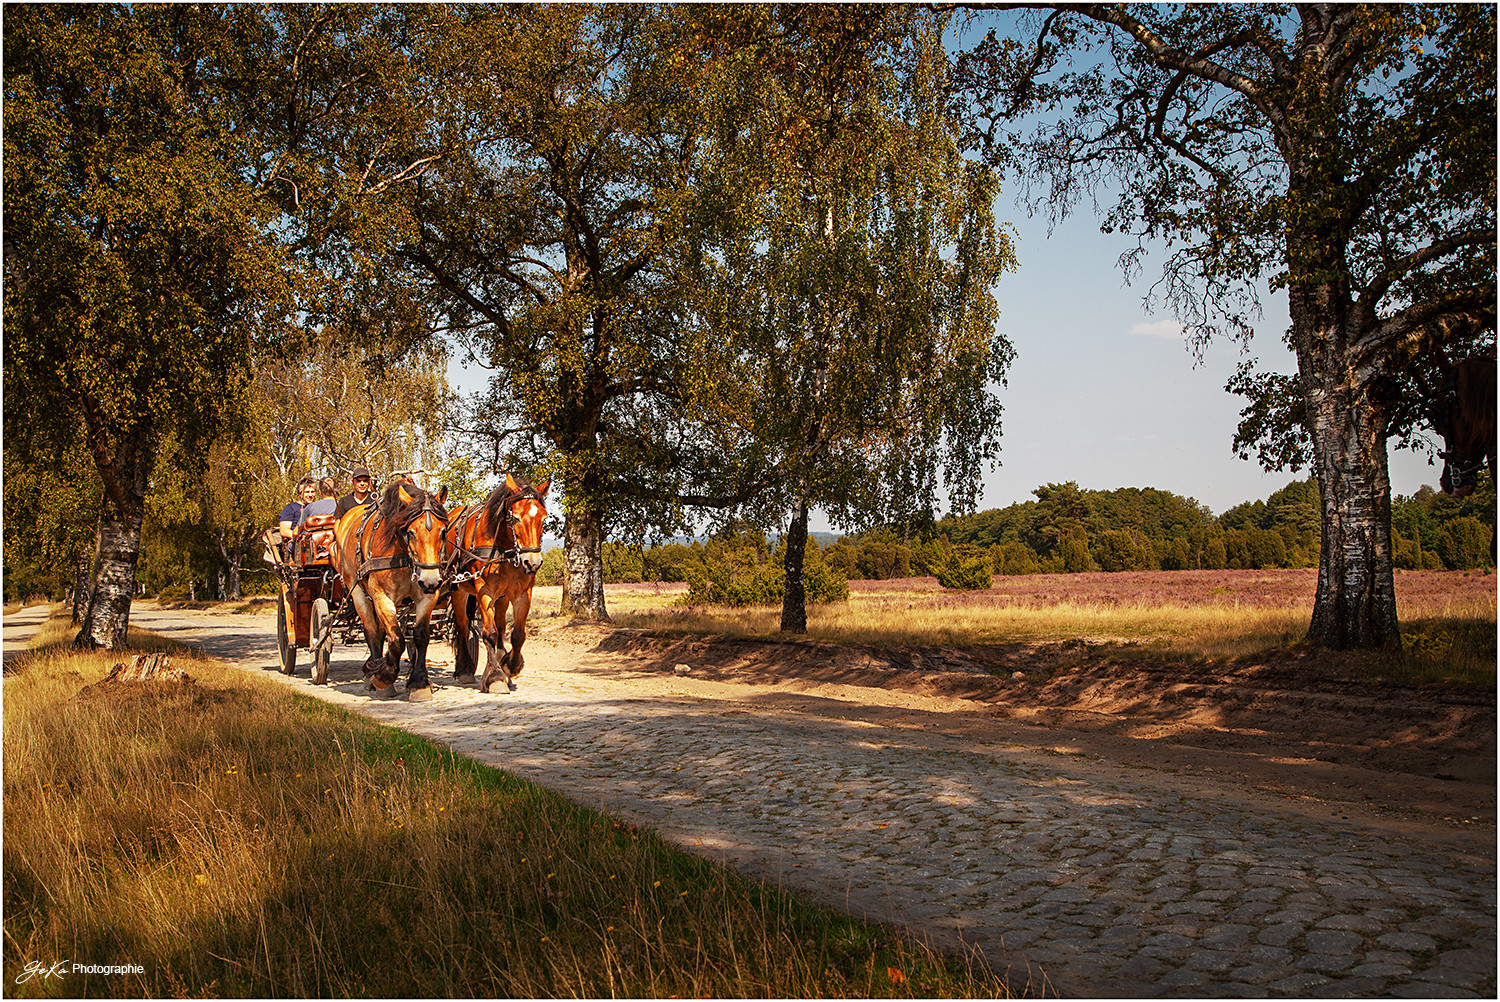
(1105, 394)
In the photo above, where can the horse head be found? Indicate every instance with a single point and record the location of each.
(1463, 412)
(522, 509)
(418, 520)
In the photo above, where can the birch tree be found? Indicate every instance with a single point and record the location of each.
(857, 251)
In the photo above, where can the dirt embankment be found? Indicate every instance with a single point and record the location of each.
(1290, 725)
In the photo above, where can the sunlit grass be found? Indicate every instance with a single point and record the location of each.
(237, 839)
(1449, 631)
(891, 620)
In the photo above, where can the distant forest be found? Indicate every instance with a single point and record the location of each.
(1068, 530)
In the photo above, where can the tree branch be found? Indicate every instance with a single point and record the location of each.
(1466, 309)
(1404, 266)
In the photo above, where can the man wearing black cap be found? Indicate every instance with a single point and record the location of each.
(361, 493)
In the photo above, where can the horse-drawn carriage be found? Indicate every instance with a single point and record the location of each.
(314, 611)
(440, 574)
(313, 606)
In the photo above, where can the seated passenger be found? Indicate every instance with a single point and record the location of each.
(305, 493)
(326, 503)
(323, 507)
(363, 487)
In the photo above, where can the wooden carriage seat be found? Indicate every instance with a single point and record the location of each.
(315, 543)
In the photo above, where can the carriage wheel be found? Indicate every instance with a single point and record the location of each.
(285, 646)
(475, 627)
(322, 641)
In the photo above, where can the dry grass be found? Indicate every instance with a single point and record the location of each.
(236, 839)
(1448, 617)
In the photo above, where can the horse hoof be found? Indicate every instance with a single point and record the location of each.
(419, 695)
(510, 684)
(463, 679)
(382, 691)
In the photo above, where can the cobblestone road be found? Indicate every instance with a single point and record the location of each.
(1101, 879)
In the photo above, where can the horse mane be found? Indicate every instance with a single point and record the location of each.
(494, 505)
(396, 514)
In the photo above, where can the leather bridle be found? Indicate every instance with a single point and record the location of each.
(479, 556)
(430, 509)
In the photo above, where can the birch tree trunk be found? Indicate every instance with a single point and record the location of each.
(583, 566)
(794, 598)
(108, 616)
(1355, 604)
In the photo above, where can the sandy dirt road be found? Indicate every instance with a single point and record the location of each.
(1082, 833)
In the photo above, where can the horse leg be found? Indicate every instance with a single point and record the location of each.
(383, 678)
(499, 662)
(418, 685)
(463, 664)
(374, 630)
(518, 614)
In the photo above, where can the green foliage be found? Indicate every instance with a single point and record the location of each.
(1120, 550)
(739, 569)
(671, 562)
(1431, 531)
(875, 555)
(551, 571)
(1014, 557)
(51, 509)
(967, 568)
(144, 253)
(622, 563)
(1465, 542)
(851, 251)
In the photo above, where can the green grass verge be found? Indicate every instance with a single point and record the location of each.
(236, 839)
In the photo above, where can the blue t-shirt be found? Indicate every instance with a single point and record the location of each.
(291, 513)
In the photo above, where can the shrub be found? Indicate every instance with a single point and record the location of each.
(739, 578)
(551, 571)
(1014, 557)
(671, 562)
(622, 563)
(968, 568)
(1074, 551)
(1119, 550)
(1464, 543)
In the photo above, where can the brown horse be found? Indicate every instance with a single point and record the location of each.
(390, 556)
(495, 549)
(1463, 412)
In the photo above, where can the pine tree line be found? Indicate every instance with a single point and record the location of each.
(1068, 529)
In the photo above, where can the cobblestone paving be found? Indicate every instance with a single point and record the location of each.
(1101, 883)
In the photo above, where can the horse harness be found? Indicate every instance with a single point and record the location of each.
(481, 557)
(392, 561)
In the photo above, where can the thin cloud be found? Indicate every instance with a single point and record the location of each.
(1169, 329)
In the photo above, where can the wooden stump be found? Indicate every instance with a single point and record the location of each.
(147, 668)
